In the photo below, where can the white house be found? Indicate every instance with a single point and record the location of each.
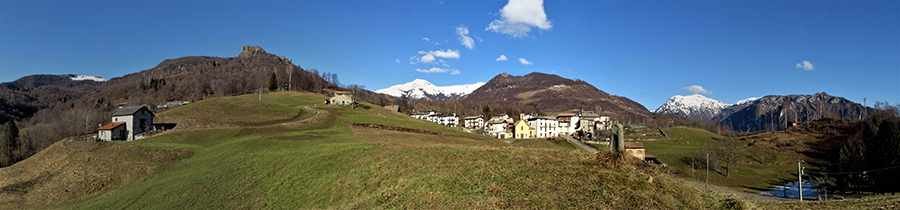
(447, 120)
(127, 123)
(340, 98)
(544, 127)
(474, 122)
(567, 123)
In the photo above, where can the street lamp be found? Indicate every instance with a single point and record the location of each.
(799, 178)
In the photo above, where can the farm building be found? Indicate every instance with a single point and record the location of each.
(127, 123)
(635, 149)
(340, 98)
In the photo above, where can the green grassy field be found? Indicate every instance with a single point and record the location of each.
(328, 163)
(748, 175)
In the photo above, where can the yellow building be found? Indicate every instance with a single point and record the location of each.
(522, 130)
(635, 149)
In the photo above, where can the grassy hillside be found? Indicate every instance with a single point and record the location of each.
(748, 175)
(329, 163)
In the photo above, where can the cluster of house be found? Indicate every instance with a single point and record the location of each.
(450, 120)
(528, 126)
(173, 104)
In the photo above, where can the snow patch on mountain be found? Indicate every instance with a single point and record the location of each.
(420, 88)
(83, 77)
(693, 107)
(747, 100)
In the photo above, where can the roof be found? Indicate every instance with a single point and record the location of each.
(472, 117)
(111, 126)
(566, 114)
(541, 118)
(634, 145)
(342, 92)
(649, 156)
(130, 110)
(393, 107)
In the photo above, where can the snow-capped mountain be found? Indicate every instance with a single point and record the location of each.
(83, 77)
(692, 107)
(420, 88)
(747, 100)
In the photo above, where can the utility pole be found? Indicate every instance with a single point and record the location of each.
(800, 178)
(707, 171)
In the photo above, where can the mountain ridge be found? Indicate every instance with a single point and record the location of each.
(553, 93)
(423, 89)
(767, 113)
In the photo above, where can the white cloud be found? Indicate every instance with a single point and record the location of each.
(426, 39)
(524, 62)
(696, 89)
(431, 56)
(398, 60)
(438, 70)
(446, 54)
(463, 34)
(518, 16)
(502, 58)
(806, 66)
(427, 58)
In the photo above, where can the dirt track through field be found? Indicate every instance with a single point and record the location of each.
(319, 113)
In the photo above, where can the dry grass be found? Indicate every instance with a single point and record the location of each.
(70, 171)
(328, 163)
(873, 202)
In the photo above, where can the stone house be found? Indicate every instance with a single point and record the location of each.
(340, 98)
(127, 123)
(635, 149)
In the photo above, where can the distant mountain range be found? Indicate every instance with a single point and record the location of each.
(696, 106)
(63, 80)
(422, 89)
(769, 113)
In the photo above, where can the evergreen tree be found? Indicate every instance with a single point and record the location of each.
(9, 141)
(273, 83)
(486, 111)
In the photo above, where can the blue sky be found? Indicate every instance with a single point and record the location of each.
(646, 51)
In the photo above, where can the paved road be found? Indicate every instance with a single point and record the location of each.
(579, 144)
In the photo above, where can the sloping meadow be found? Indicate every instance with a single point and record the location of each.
(329, 163)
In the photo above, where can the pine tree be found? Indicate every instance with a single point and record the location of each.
(9, 141)
(486, 111)
(273, 83)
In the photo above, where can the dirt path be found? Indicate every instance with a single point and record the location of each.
(319, 113)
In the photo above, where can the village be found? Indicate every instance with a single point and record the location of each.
(132, 123)
(577, 125)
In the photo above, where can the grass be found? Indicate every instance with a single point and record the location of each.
(328, 163)
(872, 202)
(748, 176)
(244, 110)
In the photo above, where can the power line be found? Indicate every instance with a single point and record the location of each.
(855, 172)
